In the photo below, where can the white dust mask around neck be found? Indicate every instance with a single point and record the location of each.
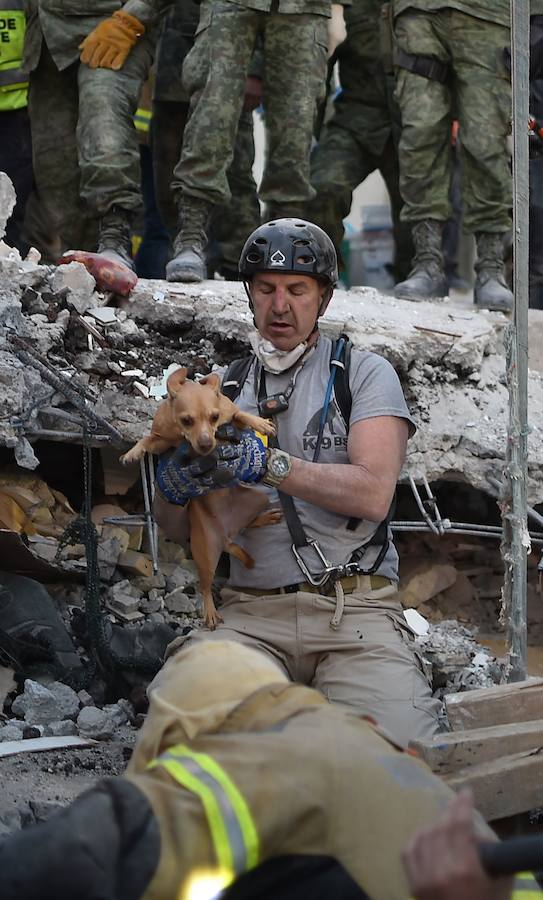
(273, 360)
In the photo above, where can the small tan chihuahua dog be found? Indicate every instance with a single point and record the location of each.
(193, 411)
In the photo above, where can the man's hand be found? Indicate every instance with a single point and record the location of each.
(108, 46)
(254, 88)
(239, 457)
(442, 861)
(337, 31)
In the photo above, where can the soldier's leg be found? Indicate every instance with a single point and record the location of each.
(53, 105)
(426, 113)
(484, 107)
(234, 221)
(424, 152)
(339, 163)
(214, 74)
(295, 70)
(106, 135)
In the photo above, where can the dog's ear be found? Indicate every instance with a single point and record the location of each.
(175, 381)
(213, 381)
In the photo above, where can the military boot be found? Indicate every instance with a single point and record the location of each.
(189, 261)
(427, 277)
(114, 240)
(491, 291)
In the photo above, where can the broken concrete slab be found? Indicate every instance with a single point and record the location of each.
(179, 602)
(40, 704)
(95, 723)
(79, 284)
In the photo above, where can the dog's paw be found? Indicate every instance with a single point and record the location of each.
(266, 426)
(212, 619)
(129, 457)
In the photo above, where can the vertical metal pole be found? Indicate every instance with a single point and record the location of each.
(516, 541)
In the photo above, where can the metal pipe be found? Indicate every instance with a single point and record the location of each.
(148, 512)
(516, 541)
(74, 437)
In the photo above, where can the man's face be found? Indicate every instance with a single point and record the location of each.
(285, 307)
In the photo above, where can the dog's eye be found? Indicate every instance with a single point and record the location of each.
(187, 421)
(214, 417)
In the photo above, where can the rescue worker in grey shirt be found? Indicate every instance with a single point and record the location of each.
(346, 634)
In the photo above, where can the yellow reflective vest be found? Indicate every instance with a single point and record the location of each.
(13, 81)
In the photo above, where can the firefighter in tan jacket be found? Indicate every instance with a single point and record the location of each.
(234, 766)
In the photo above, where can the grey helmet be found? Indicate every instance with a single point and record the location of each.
(289, 245)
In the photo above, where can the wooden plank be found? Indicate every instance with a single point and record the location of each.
(500, 705)
(504, 787)
(449, 752)
(135, 563)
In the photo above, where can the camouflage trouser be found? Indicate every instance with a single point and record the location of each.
(479, 95)
(233, 221)
(339, 163)
(214, 74)
(85, 148)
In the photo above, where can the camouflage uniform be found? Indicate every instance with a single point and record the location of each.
(295, 40)
(235, 220)
(86, 157)
(362, 134)
(470, 37)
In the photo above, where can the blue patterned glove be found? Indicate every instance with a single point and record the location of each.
(239, 457)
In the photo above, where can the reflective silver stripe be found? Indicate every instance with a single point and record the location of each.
(235, 835)
(13, 76)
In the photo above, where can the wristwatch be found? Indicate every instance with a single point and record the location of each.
(278, 466)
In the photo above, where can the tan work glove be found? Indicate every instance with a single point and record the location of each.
(108, 46)
(337, 32)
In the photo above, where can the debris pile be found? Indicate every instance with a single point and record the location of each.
(455, 661)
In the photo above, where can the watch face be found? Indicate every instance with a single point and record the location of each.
(280, 466)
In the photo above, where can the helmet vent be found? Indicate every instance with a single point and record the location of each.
(261, 241)
(300, 224)
(305, 260)
(254, 257)
(301, 242)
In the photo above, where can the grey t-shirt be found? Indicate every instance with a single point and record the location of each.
(376, 391)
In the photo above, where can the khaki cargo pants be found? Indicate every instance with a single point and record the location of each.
(367, 664)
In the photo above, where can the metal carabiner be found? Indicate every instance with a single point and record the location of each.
(325, 573)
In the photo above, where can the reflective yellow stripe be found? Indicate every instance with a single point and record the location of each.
(231, 824)
(236, 798)
(525, 887)
(142, 119)
(215, 820)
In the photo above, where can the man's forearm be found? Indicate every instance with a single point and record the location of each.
(345, 489)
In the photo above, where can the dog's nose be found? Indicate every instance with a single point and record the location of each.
(205, 443)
